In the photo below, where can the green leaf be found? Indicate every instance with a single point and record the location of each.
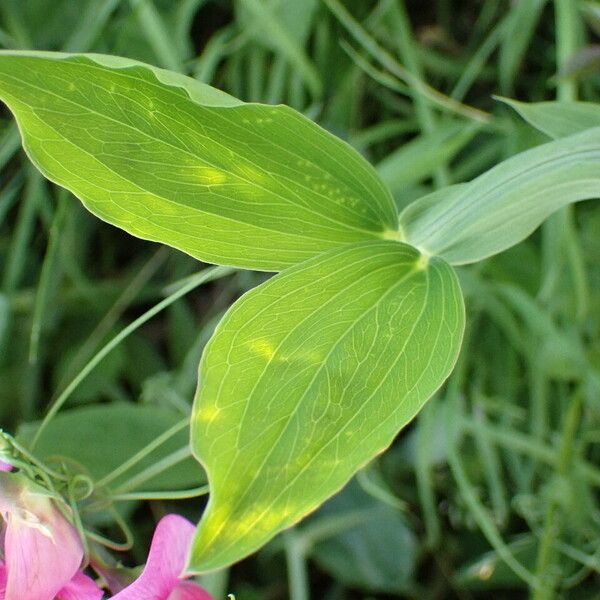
(377, 551)
(558, 119)
(307, 378)
(172, 160)
(100, 438)
(469, 222)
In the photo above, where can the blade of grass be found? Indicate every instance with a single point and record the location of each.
(400, 23)
(559, 233)
(9, 144)
(93, 20)
(156, 33)
(286, 44)
(388, 62)
(121, 304)
(483, 519)
(521, 22)
(545, 573)
(16, 266)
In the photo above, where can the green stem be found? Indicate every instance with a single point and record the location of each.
(567, 28)
(552, 521)
(108, 543)
(560, 237)
(138, 456)
(483, 519)
(121, 304)
(47, 276)
(200, 278)
(425, 484)
(215, 583)
(406, 46)
(296, 564)
(153, 470)
(162, 495)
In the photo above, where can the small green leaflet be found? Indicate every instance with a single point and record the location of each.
(466, 223)
(307, 378)
(171, 160)
(558, 119)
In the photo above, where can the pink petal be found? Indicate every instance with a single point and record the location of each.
(2, 581)
(42, 550)
(166, 560)
(186, 590)
(81, 587)
(5, 466)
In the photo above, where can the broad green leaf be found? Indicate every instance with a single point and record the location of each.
(375, 551)
(558, 119)
(172, 160)
(100, 438)
(307, 378)
(469, 222)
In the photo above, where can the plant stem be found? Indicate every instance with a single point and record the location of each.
(153, 470)
(423, 111)
(138, 456)
(560, 237)
(566, 19)
(161, 495)
(194, 282)
(296, 564)
(484, 521)
(552, 520)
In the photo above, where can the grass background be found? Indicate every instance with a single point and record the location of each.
(493, 491)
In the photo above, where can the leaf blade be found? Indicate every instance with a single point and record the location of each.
(293, 369)
(507, 203)
(557, 119)
(171, 160)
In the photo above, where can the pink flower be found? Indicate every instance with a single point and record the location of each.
(42, 551)
(5, 466)
(162, 577)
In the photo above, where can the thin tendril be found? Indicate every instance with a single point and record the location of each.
(176, 495)
(155, 469)
(136, 458)
(108, 543)
(193, 282)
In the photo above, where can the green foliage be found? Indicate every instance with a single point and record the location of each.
(308, 377)
(497, 477)
(99, 439)
(375, 549)
(256, 186)
(469, 222)
(558, 119)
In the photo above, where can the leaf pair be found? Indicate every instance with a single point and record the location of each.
(313, 373)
